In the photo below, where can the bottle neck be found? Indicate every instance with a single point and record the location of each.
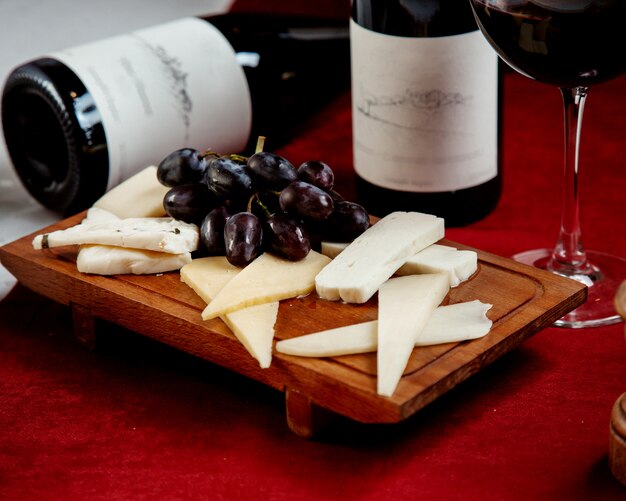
(252, 32)
(422, 18)
(294, 66)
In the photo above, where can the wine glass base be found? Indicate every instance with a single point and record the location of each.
(599, 309)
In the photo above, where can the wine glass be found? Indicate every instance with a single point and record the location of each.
(570, 44)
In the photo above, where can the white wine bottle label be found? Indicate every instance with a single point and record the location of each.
(159, 89)
(424, 110)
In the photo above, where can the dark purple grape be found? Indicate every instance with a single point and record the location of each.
(317, 173)
(286, 237)
(183, 166)
(189, 202)
(212, 231)
(271, 171)
(347, 222)
(306, 201)
(243, 236)
(228, 179)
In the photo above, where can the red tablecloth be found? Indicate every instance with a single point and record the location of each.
(137, 420)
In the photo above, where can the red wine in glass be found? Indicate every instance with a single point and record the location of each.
(572, 45)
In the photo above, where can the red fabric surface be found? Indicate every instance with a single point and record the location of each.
(138, 420)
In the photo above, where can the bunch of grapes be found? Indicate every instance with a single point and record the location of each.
(248, 205)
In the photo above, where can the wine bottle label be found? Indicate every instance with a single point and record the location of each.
(162, 88)
(424, 110)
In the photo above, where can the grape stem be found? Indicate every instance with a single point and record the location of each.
(260, 144)
(233, 156)
(209, 153)
(238, 158)
(263, 207)
(250, 200)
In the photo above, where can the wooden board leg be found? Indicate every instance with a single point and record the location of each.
(617, 444)
(304, 418)
(84, 326)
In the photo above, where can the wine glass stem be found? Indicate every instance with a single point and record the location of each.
(568, 257)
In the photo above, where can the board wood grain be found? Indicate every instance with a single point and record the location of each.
(525, 300)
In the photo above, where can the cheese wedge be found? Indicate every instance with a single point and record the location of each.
(109, 260)
(356, 273)
(151, 233)
(266, 279)
(404, 306)
(448, 324)
(139, 196)
(436, 258)
(253, 326)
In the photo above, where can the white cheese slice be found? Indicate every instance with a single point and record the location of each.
(266, 279)
(347, 340)
(436, 258)
(459, 265)
(161, 234)
(448, 324)
(455, 323)
(139, 196)
(253, 326)
(404, 306)
(356, 273)
(109, 260)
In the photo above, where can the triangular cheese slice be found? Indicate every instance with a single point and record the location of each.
(253, 326)
(266, 279)
(448, 324)
(404, 306)
(140, 195)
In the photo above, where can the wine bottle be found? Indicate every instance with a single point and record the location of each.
(426, 92)
(79, 121)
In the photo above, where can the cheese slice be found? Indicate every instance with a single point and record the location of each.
(161, 234)
(253, 326)
(98, 215)
(454, 323)
(459, 265)
(266, 279)
(332, 249)
(140, 195)
(448, 324)
(404, 306)
(356, 273)
(109, 260)
(436, 258)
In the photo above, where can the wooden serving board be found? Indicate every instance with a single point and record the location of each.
(524, 299)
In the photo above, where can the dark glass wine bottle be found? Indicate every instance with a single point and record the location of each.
(79, 121)
(426, 92)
